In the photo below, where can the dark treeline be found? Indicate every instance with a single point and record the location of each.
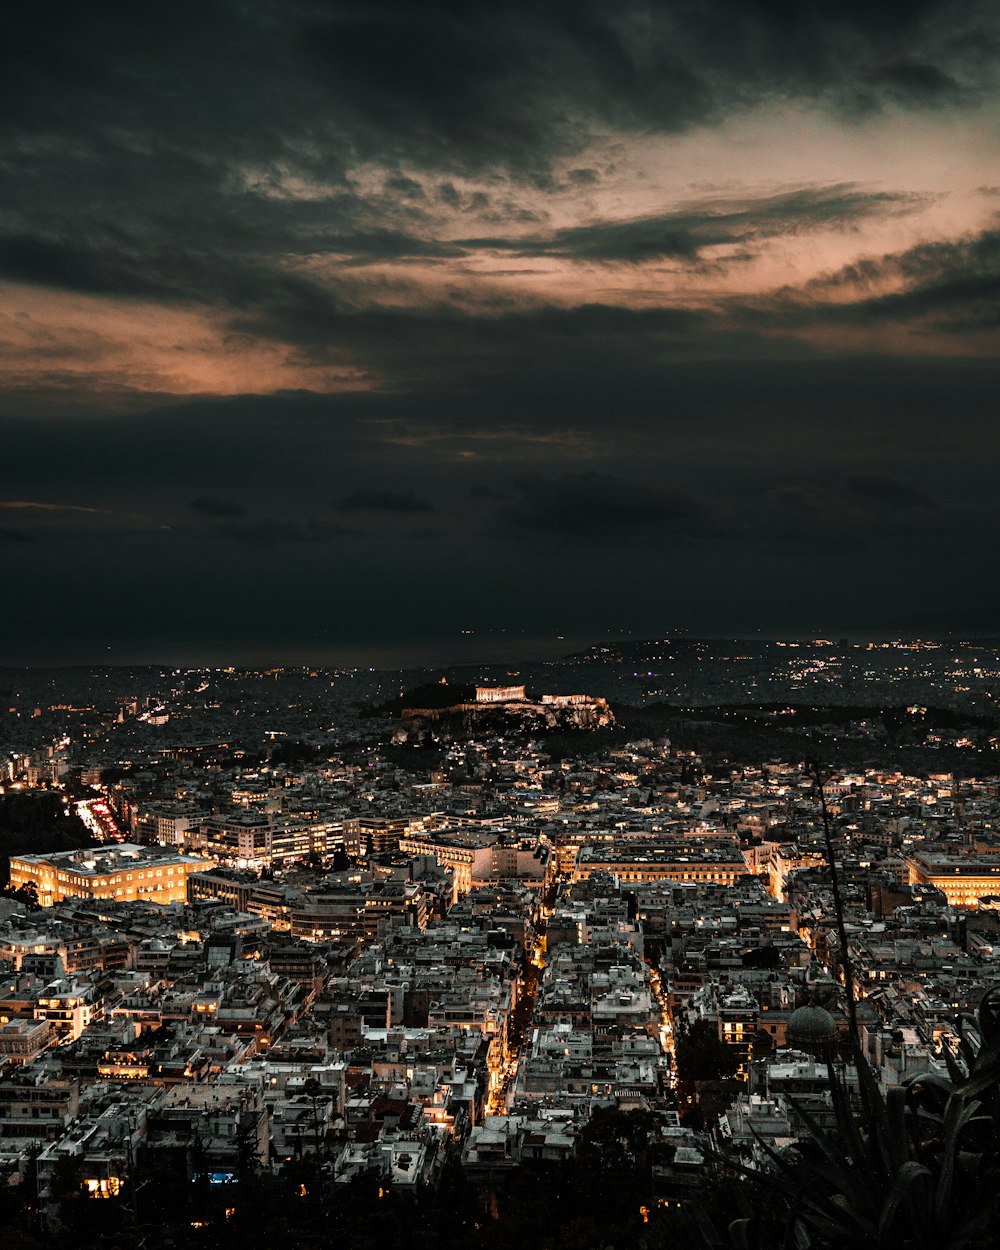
(34, 821)
(604, 1197)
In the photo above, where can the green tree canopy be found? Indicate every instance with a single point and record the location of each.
(701, 1055)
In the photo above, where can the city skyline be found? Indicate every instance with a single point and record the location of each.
(334, 332)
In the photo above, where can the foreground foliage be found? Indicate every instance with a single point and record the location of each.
(918, 1167)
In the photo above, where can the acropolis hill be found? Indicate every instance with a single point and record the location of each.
(449, 711)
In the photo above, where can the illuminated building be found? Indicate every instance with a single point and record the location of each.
(693, 859)
(963, 880)
(128, 873)
(337, 907)
(468, 855)
(23, 1040)
(251, 839)
(475, 858)
(499, 694)
(738, 1013)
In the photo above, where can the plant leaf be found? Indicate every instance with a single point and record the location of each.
(906, 1178)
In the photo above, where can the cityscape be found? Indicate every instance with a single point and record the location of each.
(499, 635)
(386, 949)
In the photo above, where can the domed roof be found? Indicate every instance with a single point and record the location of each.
(811, 1026)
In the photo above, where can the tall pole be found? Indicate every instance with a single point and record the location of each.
(838, 904)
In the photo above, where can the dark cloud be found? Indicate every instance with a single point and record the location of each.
(478, 350)
(271, 531)
(685, 234)
(368, 246)
(469, 82)
(798, 500)
(289, 176)
(521, 80)
(53, 263)
(217, 507)
(948, 285)
(694, 491)
(602, 505)
(869, 512)
(919, 81)
(878, 488)
(807, 517)
(125, 116)
(137, 166)
(408, 188)
(385, 501)
(956, 282)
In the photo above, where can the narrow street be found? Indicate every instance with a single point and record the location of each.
(666, 1034)
(520, 1021)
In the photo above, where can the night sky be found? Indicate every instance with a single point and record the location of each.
(330, 331)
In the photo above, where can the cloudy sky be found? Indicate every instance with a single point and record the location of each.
(338, 329)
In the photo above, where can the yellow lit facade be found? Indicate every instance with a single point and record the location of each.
(126, 873)
(962, 880)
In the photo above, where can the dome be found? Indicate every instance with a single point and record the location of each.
(811, 1026)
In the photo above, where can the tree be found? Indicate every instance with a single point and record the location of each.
(614, 1140)
(762, 957)
(701, 1055)
(26, 894)
(763, 1043)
